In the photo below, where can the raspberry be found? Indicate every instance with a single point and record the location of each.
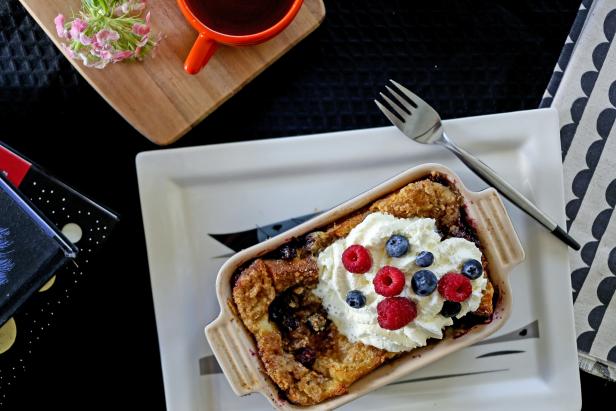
(395, 312)
(455, 287)
(389, 281)
(356, 259)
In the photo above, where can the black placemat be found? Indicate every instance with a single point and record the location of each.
(466, 57)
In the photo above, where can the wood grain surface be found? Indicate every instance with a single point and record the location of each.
(158, 97)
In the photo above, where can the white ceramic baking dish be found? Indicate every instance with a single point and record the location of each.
(235, 348)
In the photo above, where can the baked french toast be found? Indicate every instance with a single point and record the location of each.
(301, 348)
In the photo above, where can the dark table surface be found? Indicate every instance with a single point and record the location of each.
(466, 57)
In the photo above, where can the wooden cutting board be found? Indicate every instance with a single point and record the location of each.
(157, 97)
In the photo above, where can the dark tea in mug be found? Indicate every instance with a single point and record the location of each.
(239, 17)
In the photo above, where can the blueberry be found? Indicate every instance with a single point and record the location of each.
(450, 309)
(472, 269)
(397, 245)
(355, 299)
(306, 357)
(277, 310)
(424, 259)
(282, 313)
(424, 282)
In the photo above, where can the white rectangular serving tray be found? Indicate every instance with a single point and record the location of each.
(188, 194)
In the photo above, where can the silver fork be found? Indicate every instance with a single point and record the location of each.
(421, 123)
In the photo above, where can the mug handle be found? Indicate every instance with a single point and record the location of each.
(199, 55)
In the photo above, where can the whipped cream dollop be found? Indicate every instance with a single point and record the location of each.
(360, 324)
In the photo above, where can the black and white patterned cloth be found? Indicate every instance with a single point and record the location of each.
(583, 89)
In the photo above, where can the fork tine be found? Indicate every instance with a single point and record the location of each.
(409, 108)
(412, 96)
(393, 105)
(391, 116)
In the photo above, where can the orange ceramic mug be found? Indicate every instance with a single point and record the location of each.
(234, 23)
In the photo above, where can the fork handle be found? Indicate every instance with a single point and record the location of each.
(507, 190)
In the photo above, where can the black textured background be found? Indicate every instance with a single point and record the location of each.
(466, 57)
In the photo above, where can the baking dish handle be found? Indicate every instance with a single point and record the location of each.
(236, 358)
(488, 209)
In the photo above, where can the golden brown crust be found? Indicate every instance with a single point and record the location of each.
(343, 227)
(254, 284)
(424, 198)
(486, 307)
(347, 362)
(285, 275)
(333, 363)
(338, 365)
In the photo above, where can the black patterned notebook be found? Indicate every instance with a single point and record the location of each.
(83, 222)
(31, 250)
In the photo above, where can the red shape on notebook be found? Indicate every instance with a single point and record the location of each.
(14, 167)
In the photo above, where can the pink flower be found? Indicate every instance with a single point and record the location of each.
(59, 21)
(141, 29)
(94, 63)
(121, 55)
(100, 64)
(116, 38)
(104, 36)
(68, 50)
(84, 59)
(77, 27)
(101, 53)
(85, 40)
(144, 40)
